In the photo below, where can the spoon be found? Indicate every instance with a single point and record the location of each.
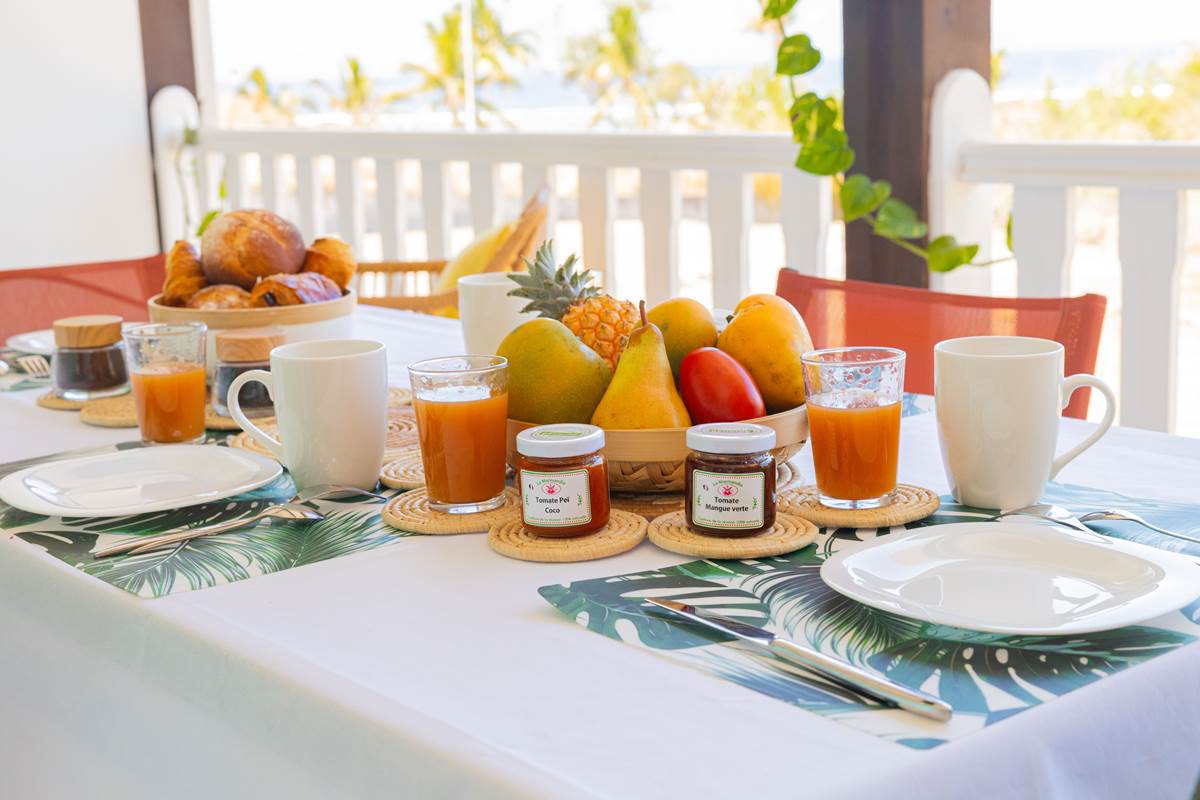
(1120, 515)
(326, 490)
(1062, 516)
(142, 544)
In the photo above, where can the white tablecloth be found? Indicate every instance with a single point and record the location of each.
(432, 668)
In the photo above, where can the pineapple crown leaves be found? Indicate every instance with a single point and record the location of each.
(552, 289)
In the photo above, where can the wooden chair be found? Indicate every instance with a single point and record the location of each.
(409, 285)
(31, 299)
(840, 313)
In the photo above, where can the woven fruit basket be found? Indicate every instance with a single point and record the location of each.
(652, 460)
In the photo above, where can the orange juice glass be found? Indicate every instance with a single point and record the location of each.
(853, 396)
(166, 367)
(461, 403)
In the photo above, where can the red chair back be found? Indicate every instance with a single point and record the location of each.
(841, 313)
(31, 299)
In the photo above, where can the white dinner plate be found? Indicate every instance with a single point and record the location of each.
(137, 481)
(42, 342)
(1014, 578)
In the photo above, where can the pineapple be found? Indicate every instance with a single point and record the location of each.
(600, 321)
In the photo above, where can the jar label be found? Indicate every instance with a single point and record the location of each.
(556, 499)
(721, 500)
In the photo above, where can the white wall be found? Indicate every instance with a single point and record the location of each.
(76, 182)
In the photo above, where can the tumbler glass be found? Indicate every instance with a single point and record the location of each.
(853, 396)
(166, 367)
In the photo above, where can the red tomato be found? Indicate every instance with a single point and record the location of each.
(716, 388)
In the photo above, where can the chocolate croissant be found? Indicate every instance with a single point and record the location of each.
(223, 295)
(333, 258)
(291, 290)
(185, 276)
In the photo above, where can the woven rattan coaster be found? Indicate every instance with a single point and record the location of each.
(624, 531)
(787, 475)
(909, 504)
(788, 534)
(405, 472)
(54, 403)
(399, 396)
(401, 435)
(649, 505)
(120, 412)
(411, 512)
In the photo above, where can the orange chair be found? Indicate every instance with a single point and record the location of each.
(840, 313)
(31, 299)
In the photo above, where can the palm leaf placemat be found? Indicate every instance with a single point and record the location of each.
(986, 677)
(350, 526)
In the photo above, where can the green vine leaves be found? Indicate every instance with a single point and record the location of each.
(825, 150)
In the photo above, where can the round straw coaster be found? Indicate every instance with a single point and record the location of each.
(405, 472)
(54, 403)
(399, 396)
(399, 439)
(624, 531)
(649, 506)
(411, 512)
(120, 412)
(788, 534)
(909, 504)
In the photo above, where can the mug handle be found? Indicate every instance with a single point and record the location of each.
(231, 401)
(1069, 385)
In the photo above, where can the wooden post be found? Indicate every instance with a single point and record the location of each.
(166, 45)
(895, 53)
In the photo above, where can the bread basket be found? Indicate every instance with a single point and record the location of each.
(652, 460)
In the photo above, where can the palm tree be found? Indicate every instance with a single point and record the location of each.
(495, 51)
(354, 94)
(266, 102)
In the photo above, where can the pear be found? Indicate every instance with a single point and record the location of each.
(552, 376)
(642, 392)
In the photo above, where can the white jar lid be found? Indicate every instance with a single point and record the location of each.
(730, 438)
(561, 440)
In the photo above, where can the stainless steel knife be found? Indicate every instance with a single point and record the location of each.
(877, 686)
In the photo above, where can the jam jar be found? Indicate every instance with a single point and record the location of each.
(89, 359)
(562, 476)
(240, 350)
(730, 479)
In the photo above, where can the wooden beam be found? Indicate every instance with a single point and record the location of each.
(895, 53)
(167, 45)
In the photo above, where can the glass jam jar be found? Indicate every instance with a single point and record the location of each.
(241, 350)
(89, 360)
(562, 476)
(730, 479)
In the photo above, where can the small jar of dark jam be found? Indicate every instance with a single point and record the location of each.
(89, 359)
(240, 350)
(730, 479)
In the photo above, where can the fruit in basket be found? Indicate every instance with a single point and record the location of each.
(642, 393)
(767, 336)
(474, 258)
(716, 388)
(552, 376)
(686, 325)
(601, 321)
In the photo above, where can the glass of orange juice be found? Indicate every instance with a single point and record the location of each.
(166, 367)
(461, 403)
(853, 396)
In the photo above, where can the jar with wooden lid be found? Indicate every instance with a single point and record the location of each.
(729, 479)
(89, 359)
(241, 350)
(562, 476)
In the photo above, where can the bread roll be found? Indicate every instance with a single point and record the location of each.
(184, 275)
(239, 247)
(223, 295)
(291, 290)
(333, 258)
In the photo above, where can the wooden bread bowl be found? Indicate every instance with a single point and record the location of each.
(652, 460)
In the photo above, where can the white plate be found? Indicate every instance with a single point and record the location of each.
(42, 342)
(1014, 578)
(137, 481)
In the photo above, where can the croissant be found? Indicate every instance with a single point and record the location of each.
(223, 295)
(290, 290)
(333, 258)
(185, 276)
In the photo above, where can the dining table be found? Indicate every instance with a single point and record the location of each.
(433, 668)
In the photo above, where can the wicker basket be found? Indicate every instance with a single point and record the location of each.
(652, 460)
(409, 285)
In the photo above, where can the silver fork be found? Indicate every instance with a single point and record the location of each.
(1062, 516)
(141, 544)
(37, 366)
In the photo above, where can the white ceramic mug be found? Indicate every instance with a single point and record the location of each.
(999, 399)
(331, 401)
(487, 312)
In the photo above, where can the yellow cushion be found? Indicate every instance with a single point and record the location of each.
(474, 258)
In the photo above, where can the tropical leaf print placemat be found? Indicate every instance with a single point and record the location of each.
(349, 527)
(985, 677)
